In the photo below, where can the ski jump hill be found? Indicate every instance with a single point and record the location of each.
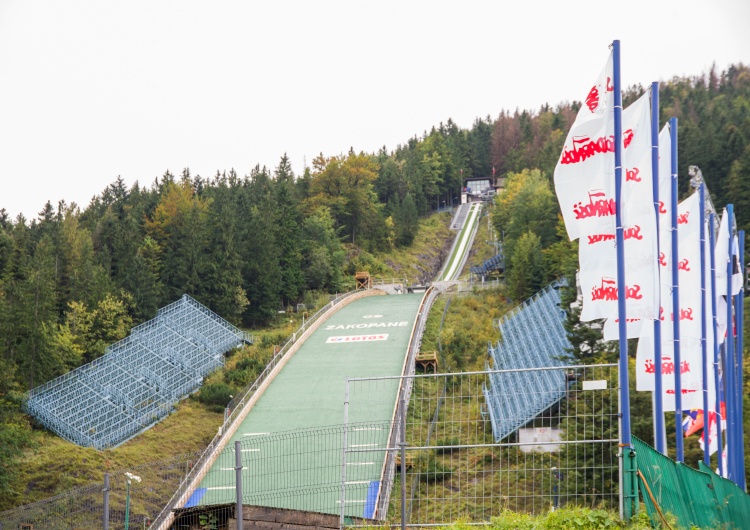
(367, 334)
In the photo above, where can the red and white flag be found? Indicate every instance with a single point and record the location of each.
(722, 259)
(712, 433)
(611, 329)
(597, 252)
(585, 192)
(690, 318)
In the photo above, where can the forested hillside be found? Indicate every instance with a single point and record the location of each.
(76, 278)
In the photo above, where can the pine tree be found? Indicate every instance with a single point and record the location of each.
(223, 273)
(36, 308)
(407, 221)
(288, 233)
(178, 225)
(261, 273)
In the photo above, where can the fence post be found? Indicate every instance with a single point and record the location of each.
(403, 463)
(105, 515)
(343, 456)
(238, 483)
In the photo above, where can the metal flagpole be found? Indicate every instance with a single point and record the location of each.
(659, 441)
(680, 457)
(729, 361)
(239, 514)
(714, 323)
(704, 329)
(739, 308)
(629, 495)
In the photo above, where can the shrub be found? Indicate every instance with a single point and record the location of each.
(215, 395)
(447, 442)
(435, 471)
(509, 520)
(579, 518)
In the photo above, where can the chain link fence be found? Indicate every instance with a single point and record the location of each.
(83, 508)
(434, 465)
(453, 469)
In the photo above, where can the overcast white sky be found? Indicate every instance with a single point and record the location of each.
(90, 90)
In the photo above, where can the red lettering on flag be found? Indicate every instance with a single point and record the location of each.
(632, 175)
(627, 137)
(584, 147)
(608, 291)
(634, 232)
(592, 100)
(598, 206)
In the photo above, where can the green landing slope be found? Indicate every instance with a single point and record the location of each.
(367, 338)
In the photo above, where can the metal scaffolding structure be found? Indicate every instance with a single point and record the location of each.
(533, 337)
(138, 379)
(495, 263)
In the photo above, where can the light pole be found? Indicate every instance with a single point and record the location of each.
(130, 477)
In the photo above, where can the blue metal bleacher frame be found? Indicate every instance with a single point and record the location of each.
(495, 263)
(138, 379)
(532, 337)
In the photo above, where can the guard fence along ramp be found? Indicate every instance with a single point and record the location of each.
(138, 379)
(532, 339)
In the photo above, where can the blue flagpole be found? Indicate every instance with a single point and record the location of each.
(729, 361)
(715, 324)
(739, 308)
(659, 441)
(629, 495)
(680, 457)
(704, 330)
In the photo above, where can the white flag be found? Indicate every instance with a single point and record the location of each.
(737, 276)
(690, 315)
(597, 252)
(611, 330)
(721, 260)
(688, 230)
(587, 159)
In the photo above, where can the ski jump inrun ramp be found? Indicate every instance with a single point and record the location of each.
(367, 336)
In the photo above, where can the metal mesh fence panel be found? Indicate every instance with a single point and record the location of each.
(452, 467)
(83, 508)
(455, 470)
(298, 470)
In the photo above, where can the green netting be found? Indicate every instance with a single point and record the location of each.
(733, 502)
(661, 477)
(696, 498)
(700, 494)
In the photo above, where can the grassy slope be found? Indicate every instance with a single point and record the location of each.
(55, 465)
(480, 250)
(420, 262)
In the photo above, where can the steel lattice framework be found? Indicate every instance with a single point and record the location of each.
(533, 336)
(138, 379)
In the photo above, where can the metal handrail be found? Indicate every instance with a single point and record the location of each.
(404, 392)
